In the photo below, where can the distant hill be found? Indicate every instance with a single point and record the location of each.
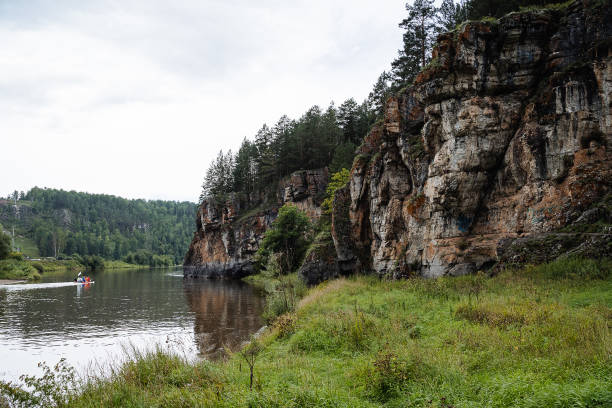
(50, 222)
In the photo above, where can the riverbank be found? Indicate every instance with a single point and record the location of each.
(539, 336)
(11, 281)
(29, 270)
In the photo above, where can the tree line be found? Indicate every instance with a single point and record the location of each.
(329, 137)
(66, 223)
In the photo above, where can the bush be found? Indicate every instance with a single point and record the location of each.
(18, 256)
(287, 238)
(5, 245)
(387, 375)
(53, 389)
(285, 325)
(284, 298)
(93, 262)
(38, 266)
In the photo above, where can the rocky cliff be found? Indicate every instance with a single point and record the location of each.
(505, 135)
(228, 234)
(499, 151)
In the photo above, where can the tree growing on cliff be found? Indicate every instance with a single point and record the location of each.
(286, 238)
(419, 37)
(219, 180)
(338, 180)
(450, 14)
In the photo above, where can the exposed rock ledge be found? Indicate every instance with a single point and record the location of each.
(505, 135)
(228, 235)
(502, 140)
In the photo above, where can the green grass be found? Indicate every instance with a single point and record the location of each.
(18, 270)
(28, 246)
(534, 337)
(54, 265)
(110, 264)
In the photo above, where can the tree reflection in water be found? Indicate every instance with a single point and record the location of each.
(226, 314)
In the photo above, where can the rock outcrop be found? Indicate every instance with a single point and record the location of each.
(505, 135)
(228, 234)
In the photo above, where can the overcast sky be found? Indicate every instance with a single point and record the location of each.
(134, 98)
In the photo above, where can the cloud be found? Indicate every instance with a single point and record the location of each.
(134, 98)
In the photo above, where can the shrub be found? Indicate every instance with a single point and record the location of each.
(285, 325)
(387, 374)
(338, 180)
(38, 266)
(287, 238)
(93, 262)
(284, 298)
(18, 256)
(5, 245)
(34, 276)
(53, 389)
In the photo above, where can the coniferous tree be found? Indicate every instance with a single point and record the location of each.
(450, 14)
(348, 120)
(420, 26)
(379, 94)
(498, 8)
(218, 181)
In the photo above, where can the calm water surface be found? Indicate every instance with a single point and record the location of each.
(92, 326)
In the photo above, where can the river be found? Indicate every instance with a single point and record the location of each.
(95, 325)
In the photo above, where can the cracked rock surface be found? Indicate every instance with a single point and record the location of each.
(506, 135)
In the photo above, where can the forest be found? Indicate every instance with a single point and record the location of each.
(67, 223)
(329, 137)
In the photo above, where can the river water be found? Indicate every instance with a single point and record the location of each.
(95, 325)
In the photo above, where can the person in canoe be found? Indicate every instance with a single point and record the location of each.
(82, 279)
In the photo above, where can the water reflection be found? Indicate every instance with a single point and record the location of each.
(56, 319)
(226, 314)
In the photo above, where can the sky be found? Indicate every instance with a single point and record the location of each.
(135, 98)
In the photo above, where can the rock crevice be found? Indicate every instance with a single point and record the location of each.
(506, 135)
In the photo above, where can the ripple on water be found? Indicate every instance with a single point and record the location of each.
(123, 310)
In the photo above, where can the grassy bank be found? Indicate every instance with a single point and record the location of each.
(19, 269)
(535, 337)
(23, 269)
(13, 269)
(109, 264)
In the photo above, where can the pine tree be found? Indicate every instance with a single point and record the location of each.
(379, 94)
(450, 14)
(347, 118)
(218, 181)
(420, 26)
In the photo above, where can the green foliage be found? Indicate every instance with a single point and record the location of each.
(38, 266)
(286, 238)
(498, 8)
(338, 180)
(249, 354)
(318, 139)
(283, 296)
(419, 36)
(16, 269)
(5, 245)
(450, 14)
(54, 388)
(92, 262)
(144, 257)
(66, 222)
(530, 338)
(574, 268)
(343, 157)
(218, 182)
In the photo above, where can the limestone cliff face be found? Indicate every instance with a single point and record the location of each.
(228, 235)
(506, 134)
